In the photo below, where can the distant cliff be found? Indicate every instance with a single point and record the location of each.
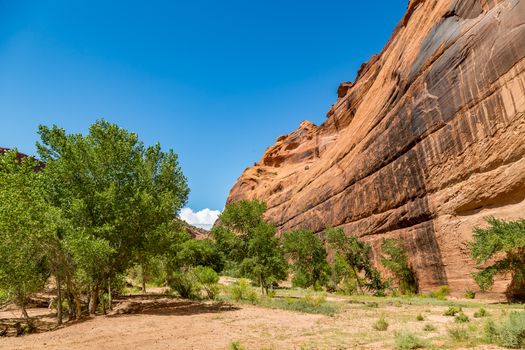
(427, 141)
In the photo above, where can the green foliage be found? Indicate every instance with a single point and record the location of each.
(308, 258)
(481, 313)
(503, 241)
(113, 189)
(409, 341)
(510, 333)
(469, 294)
(395, 259)
(209, 280)
(185, 284)
(306, 304)
(241, 291)
(461, 318)
(28, 229)
(244, 238)
(459, 334)
(242, 216)
(429, 327)
(452, 311)
(441, 293)
(420, 317)
(236, 345)
(200, 252)
(381, 324)
(354, 258)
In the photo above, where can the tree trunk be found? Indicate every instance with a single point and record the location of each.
(79, 307)
(24, 313)
(142, 272)
(261, 283)
(93, 301)
(59, 301)
(357, 280)
(110, 297)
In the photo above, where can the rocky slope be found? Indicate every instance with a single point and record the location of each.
(427, 141)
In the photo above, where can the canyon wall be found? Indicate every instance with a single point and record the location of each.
(428, 141)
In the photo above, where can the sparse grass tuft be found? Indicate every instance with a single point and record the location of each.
(461, 318)
(429, 327)
(381, 324)
(409, 341)
(481, 313)
(459, 334)
(420, 317)
(441, 293)
(509, 334)
(452, 311)
(236, 345)
(469, 294)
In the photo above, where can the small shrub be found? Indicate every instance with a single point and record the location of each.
(381, 324)
(510, 333)
(409, 341)
(461, 318)
(458, 334)
(452, 311)
(373, 305)
(185, 285)
(469, 294)
(271, 294)
(441, 293)
(209, 280)
(236, 345)
(420, 317)
(429, 327)
(314, 300)
(242, 291)
(480, 313)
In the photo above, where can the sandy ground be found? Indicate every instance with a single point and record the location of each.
(157, 322)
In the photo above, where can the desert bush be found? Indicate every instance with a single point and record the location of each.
(469, 294)
(420, 317)
(452, 311)
(185, 284)
(461, 318)
(409, 341)
(236, 345)
(509, 334)
(459, 334)
(314, 299)
(381, 324)
(441, 293)
(242, 291)
(429, 327)
(481, 313)
(208, 280)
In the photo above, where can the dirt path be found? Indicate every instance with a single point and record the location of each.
(182, 325)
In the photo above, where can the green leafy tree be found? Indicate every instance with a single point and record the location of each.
(115, 193)
(265, 261)
(27, 226)
(248, 243)
(357, 256)
(395, 259)
(308, 258)
(500, 249)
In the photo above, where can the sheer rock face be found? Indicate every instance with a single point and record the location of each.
(428, 141)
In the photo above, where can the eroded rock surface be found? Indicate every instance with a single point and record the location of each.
(428, 141)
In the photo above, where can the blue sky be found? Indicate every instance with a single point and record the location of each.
(217, 81)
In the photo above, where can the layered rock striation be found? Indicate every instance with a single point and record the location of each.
(428, 141)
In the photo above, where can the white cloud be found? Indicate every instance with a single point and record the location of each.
(203, 219)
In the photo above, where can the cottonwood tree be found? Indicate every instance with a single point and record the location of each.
(357, 256)
(114, 192)
(247, 241)
(394, 258)
(307, 255)
(28, 226)
(500, 249)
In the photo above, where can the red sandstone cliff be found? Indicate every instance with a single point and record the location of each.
(427, 141)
